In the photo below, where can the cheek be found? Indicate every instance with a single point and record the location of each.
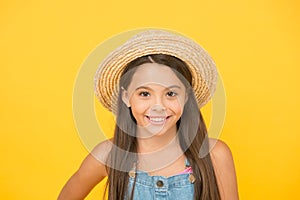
(138, 111)
(180, 102)
(138, 107)
(176, 106)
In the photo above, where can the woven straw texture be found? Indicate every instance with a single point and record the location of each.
(154, 41)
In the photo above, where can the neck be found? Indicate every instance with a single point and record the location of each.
(148, 142)
(158, 150)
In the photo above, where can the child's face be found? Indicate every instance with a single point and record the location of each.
(156, 97)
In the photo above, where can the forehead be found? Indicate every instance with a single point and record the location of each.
(154, 73)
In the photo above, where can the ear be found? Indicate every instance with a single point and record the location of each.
(125, 97)
(186, 97)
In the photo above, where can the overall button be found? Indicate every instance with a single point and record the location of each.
(159, 183)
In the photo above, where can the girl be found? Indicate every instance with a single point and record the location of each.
(155, 83)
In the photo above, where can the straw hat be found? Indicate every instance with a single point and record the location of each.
(155, 41)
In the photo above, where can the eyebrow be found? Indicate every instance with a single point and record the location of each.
(148, 88)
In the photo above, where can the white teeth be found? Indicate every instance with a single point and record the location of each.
(157, 119)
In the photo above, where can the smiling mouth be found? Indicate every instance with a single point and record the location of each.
(157, 119)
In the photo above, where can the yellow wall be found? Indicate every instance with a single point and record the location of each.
(255, 44)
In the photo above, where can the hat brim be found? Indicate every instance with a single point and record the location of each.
(201, 65)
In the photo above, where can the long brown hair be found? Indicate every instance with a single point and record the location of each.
(191, 133)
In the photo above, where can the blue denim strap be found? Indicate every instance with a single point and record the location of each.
(187, 163)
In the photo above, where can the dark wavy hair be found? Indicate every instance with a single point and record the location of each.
(191, 133)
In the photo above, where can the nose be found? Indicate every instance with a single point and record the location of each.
(158, 108)
(158, 104)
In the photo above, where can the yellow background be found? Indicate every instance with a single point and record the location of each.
(43, 44)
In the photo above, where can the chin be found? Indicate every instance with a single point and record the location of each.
(160, 131)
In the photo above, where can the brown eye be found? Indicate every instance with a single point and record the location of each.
(172, 94)
(144, 94)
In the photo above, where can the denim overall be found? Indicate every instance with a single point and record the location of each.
(147, 187)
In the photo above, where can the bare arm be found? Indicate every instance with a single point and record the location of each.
(90, 173)
(225, 172)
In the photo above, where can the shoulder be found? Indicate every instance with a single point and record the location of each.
(221, 155)
(101, 150)
(223, 163)
(95, 162)
(219, 150)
